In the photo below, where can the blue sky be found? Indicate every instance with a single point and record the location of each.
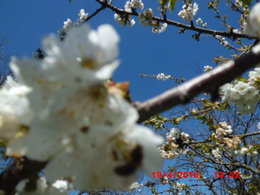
(25, 23)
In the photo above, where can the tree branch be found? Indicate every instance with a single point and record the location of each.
(200, 30)
(207, 82)
(95, 13)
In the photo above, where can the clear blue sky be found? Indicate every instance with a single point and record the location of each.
(25, 22)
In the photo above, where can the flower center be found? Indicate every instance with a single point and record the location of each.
(88, 63)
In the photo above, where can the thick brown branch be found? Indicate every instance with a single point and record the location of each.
(207, 82)
(19, 170)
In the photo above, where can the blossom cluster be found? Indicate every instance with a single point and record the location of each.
(145, 18)
(188, 11)
(64, 111)
(221, 134)
(133, 4)
(245, 94)
(126, 19)
(224, 129)
(68, 24)
(175, 144)
(249, 150)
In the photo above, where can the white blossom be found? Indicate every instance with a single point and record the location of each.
(14, 112)
(62, 185)
(244, 150)
(200, 22)
(160, 29)
(136, 186)
(239, 3)
(253, 23)
(68, 24)
(145, 18)
(133, 4)
(254, 76)
(216, 153)
(77, 120)
(172, 147)
(188, 11)
(207, 68)
(124, 20)
(86, 55)
(104, 163)
(179, 187)
(249, 150)
(82, 15)
(223, 41)
(244, 94)
(163, 77)
(224, 129)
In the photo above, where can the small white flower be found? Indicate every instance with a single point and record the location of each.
(243, 150)
(200, 22)
(135, 186)
(207, 68)
(222, 40)
(62, 185)
(160, 29)
(68, 24)
(82, 15)
(162, 76)
(239, 3)
(216, 153)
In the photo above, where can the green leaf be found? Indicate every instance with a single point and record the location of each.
(246, 2)
(172, 4)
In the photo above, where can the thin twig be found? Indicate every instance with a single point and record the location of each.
(95, 13)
